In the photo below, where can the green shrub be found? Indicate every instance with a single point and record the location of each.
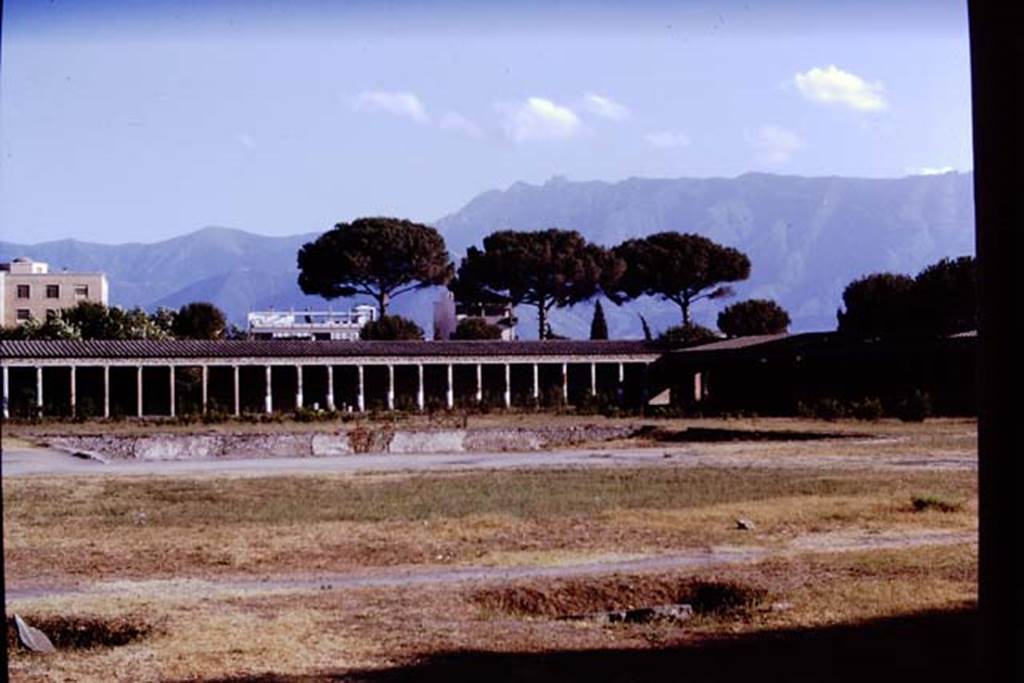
(869, 409)
(391, 328)
(915, 408)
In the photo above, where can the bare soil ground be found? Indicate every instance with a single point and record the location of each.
(466, 575)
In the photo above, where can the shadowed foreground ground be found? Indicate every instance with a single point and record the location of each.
(928, 646)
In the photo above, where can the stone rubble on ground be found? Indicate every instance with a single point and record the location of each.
(642, 615)
(32, 638)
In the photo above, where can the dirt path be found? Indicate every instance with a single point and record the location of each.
(40, 461)
(419, 576)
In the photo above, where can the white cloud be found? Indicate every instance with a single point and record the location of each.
(929, 170)
(458, 123)
(246, 140)
(538, 119)
(398, 103)
(832, 85)
(605, 107)
(667, 139)
(775, 144)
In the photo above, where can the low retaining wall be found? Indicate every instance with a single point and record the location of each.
(319, 444)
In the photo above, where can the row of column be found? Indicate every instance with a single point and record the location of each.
(299, 398)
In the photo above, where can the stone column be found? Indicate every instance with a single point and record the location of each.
(298, 387)
(479, 383)
(622, 373)
(172, 387)
(391, 387)
(565, 383)
(6, 389)
(536, 383)
(39, 389)
(593, 380)
(238, 390)
(74, 394)
(508, 385)
(698, 389)
(449, 391)
(205, 389)
(106, 391)
(420, 399)
(138, 391)
(360, 393)
(268, 398)
(330, 387)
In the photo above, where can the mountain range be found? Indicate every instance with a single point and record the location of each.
(807, 238)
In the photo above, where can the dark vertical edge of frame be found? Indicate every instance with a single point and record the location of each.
(997, 81)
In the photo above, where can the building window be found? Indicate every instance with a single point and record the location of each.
(52, 291)
(24, 291)
(24, 314)
(81, 291)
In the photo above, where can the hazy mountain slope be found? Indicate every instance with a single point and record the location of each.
(232, 268)
(806, 237)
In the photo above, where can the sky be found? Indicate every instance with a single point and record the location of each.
(136, 121)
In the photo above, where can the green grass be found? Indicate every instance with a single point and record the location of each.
(116, 502)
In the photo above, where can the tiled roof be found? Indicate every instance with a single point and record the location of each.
(735, 343)
(150, 349)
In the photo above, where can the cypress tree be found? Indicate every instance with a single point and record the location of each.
(598, 326)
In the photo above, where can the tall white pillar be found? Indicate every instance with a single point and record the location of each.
(420, 397)
(536, 383)
(268, 398)
(238, 393)
(172, 387)
(508, 385)
(391, 387)
(39, 389)
(593, 380)
(205, 389)
(74, 394)
(138, 391)
(6, 389)
(565, 383)
(360, 392)
(449, 390)
(106, 391)
(330, 387)
(622, 373)
(479, 383)
(298, 387)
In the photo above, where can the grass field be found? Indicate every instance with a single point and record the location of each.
(196, 570)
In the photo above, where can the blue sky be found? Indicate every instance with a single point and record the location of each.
(137, 121)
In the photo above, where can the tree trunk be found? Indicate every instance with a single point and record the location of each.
(684, 305)
(382, 301)
(542, 321)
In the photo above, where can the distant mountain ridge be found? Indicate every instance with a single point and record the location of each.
(806, 237)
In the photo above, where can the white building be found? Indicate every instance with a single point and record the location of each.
(316, 325)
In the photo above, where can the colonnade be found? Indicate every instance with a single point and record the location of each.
(329, 395)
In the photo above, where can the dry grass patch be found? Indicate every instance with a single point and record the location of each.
(806, 591)
(82, 632)
(573, 597)
(63, 528)
(331, 633)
